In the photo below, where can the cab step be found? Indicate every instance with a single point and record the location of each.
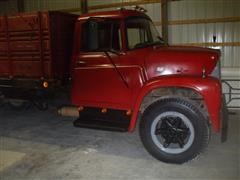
(103, 119)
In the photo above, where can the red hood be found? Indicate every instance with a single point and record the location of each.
(181, 60)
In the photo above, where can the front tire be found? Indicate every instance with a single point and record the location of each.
(174, 130)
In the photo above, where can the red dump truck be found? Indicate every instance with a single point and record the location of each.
(121, 74)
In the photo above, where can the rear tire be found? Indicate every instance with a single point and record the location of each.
(174, 130)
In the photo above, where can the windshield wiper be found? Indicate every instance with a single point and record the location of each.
(146, 44)
(143, 44)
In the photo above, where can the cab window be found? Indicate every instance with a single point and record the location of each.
(101, 36)
(141, 33)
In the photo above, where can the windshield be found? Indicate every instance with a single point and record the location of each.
(141, 33)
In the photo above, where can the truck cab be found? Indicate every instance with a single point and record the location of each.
(123, 74)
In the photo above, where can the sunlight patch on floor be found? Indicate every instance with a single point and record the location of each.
(9, 158)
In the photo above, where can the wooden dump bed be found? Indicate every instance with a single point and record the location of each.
(36, 45)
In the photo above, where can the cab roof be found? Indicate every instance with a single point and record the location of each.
(117, 14)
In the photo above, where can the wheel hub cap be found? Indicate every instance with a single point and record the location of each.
(172, 132)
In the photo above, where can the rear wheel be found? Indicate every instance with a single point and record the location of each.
(174, 130)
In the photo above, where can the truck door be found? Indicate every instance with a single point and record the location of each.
(97, 81)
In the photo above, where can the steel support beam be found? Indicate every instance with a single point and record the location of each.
(20, 5)
(164, 20)
(84, 6)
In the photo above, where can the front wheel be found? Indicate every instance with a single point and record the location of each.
(174, 130)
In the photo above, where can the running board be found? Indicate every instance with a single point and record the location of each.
(103, 119)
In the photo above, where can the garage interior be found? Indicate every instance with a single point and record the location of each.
(38, 144)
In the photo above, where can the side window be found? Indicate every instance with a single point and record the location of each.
(141, 33)
(100, 36)
(136, 36)
(133, 37)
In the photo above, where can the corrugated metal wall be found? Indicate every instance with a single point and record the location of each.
(200, 33)
(178, 10)
(35, 5)
(153, 10)
(10, 6)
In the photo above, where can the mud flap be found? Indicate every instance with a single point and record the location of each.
(224, 120)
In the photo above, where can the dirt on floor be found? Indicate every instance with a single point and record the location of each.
(54, 149)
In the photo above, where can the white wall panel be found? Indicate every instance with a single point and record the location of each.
(153, 10)
(36, 5)
(199, 9)
(178, 10)
(10, 6)
(198, 33)
(236, 31)
(102, 2)
(7, 7)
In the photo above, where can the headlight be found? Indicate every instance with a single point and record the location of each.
(217, 70)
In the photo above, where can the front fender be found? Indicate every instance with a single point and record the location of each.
(209, 88)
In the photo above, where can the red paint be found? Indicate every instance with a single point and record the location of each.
(96, 83)
(36, 45)
(181, 60)
(113, 14)
(209, 88)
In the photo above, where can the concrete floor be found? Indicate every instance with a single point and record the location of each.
(51, 148)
